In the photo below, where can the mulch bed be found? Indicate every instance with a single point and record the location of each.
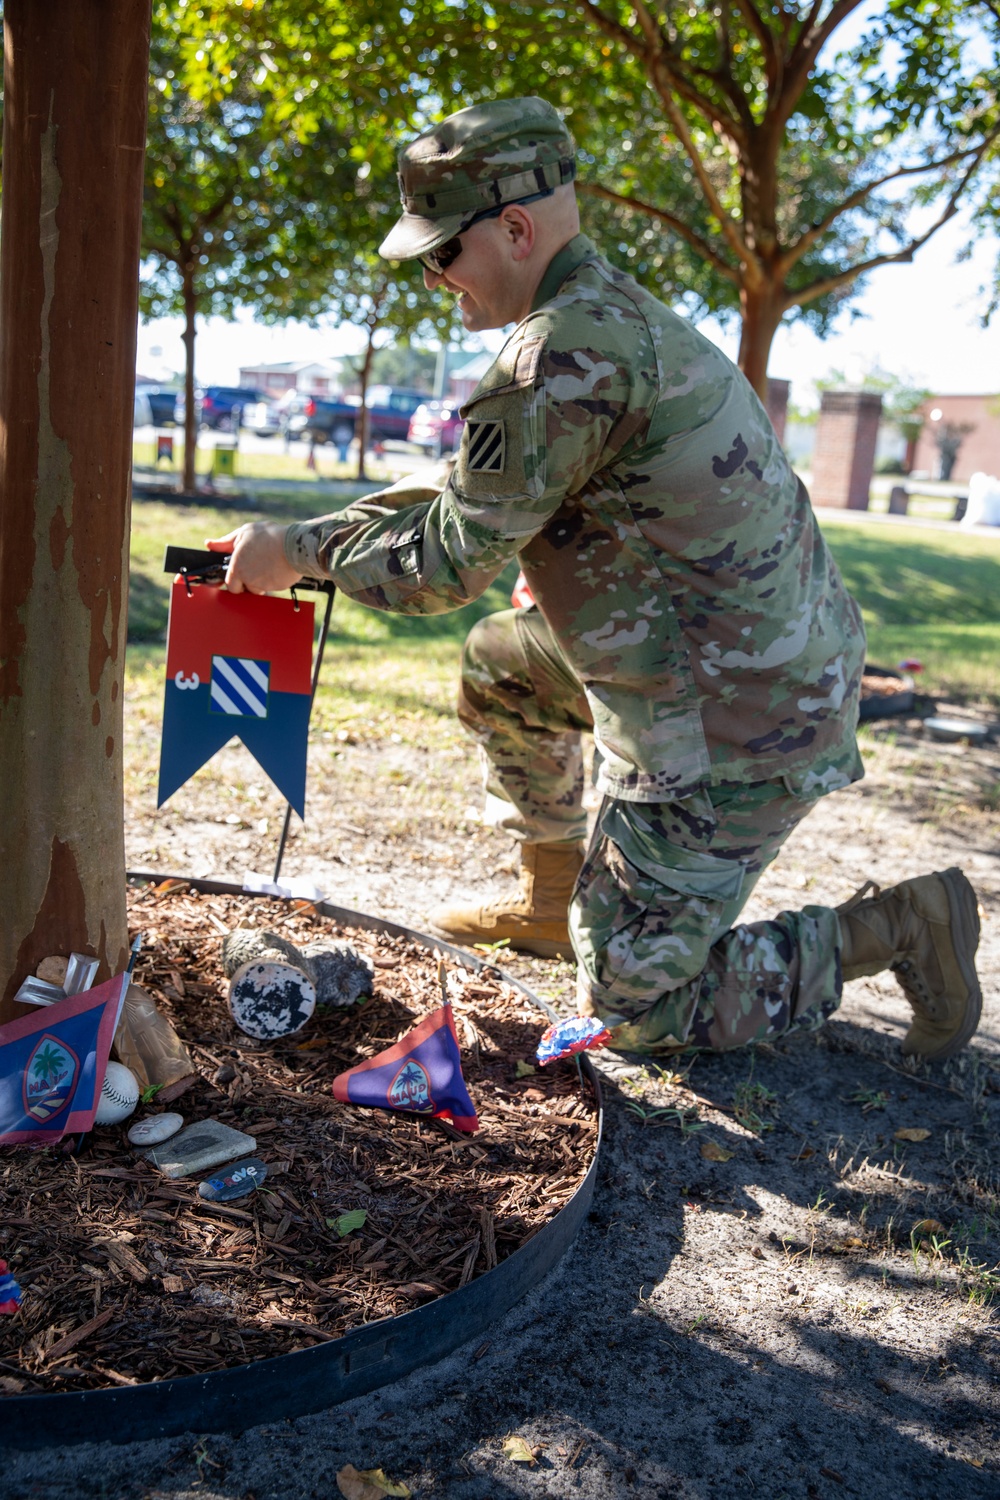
(130, 1277)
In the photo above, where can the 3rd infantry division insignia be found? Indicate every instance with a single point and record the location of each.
(486, 447)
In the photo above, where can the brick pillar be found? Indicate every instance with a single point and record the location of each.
(777, 404)
(844, 458)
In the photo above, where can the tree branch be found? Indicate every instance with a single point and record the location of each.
(830, 283)
(727, 224)
(663, 216)
(760, 30)
(650, 50)
(803, 56)
(795, 252)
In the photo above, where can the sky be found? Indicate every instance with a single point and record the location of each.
(919, 322)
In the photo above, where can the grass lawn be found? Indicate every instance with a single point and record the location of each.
(930, 594)
(933, 594)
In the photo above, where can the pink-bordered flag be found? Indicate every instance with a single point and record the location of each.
(421, 1074)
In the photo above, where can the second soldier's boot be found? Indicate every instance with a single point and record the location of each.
(926, 931)
(533, 921)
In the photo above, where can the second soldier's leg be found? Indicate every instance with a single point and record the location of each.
(654, 926)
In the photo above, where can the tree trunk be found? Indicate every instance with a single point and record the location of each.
(73, 142)
(761, 312)
(189, 477)
(366, 369)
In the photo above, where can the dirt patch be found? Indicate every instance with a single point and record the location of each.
(164, 1283)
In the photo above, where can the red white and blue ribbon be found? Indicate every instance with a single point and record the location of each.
(577, 1034)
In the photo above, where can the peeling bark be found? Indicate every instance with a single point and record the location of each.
(73, 142)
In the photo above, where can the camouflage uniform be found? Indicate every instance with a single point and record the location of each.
(688, 611)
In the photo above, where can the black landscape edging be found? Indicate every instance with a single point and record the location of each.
(293, 1385)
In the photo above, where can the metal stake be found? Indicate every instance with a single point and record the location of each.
(330, 591)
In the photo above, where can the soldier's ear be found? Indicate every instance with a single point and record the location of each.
(519, 231)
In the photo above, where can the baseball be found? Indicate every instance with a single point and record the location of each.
(119, 1095)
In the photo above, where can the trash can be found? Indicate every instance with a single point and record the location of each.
(224, 460)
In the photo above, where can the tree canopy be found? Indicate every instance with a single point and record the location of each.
(746, 159)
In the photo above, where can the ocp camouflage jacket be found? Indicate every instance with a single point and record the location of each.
(630, 467)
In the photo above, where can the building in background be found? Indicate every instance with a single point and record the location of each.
(960, 437)
(312, 377)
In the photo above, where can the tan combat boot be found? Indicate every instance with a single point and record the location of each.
(533, 921)
(926, 931)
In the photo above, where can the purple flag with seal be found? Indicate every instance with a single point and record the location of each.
(421, 1075)
(52, 1064)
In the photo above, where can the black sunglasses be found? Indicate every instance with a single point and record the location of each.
(438, 260)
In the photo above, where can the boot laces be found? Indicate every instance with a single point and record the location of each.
(914, 986)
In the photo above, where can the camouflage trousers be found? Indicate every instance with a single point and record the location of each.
(654, 916)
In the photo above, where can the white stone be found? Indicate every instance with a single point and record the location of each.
(155, 1128)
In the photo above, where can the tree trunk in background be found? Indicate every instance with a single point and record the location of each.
(188, 475)
(363, 417)
(761, 311)
(73, 141)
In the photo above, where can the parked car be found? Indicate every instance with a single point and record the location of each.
(142, 414)
(267, 418)
(161, 402)
(316, 420)
(436, 427)
(218, 406)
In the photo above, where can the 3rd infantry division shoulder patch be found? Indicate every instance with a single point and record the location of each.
(486, 447)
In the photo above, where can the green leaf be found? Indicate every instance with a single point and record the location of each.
(524, 1069)
(347, 1222)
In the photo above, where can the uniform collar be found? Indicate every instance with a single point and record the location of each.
(563, 263)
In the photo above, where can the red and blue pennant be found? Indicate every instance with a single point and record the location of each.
(421, 1075)
(52, 1064)
(10, 1291)
(237, 665)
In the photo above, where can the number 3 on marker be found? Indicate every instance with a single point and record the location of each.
(187, 682)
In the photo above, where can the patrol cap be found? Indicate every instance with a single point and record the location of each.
(475, 160)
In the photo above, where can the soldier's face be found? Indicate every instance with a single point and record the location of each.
(484, 278)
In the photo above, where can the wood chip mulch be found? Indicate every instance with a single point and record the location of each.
(130, 1277)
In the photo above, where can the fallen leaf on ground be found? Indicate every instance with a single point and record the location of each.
(518, 1451)
(367, 1484)
(523, 1069)
(346, 1222)
(712, 1151)
(911, 1133)
(928, 1226)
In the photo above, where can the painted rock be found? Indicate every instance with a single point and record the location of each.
(155, 1128)
(198, 1147)
(271, 1000)
(234, 1182)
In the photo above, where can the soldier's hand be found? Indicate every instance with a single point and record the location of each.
(257, 563)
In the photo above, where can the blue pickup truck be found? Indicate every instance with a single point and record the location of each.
(315, 420)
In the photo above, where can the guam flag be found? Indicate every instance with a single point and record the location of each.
(421, 1075)
(237, 664)
(52, 1064)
